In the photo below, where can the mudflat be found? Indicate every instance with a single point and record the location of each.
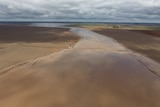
(21, 43)
(96, 72)
(146, 42)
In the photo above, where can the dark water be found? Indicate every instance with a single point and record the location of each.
(39, 24)
(62, 24)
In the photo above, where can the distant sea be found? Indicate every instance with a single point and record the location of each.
(62, 24)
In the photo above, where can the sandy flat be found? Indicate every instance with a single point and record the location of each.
(146, 42)
(22, 43)
(83, 76)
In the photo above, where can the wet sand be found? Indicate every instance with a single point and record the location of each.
(22, 43)
(155, 33)
(97, 72)
(145, 42)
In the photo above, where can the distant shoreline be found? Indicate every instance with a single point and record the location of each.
(70, 22)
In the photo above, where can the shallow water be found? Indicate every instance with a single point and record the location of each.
(94, 41)
(97, 72)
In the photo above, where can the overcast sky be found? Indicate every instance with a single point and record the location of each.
(81, 10)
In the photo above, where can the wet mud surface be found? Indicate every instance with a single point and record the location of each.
(146, 42)
(97, 72)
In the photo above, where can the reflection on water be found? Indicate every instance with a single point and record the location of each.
(49, 24)
(81, 78)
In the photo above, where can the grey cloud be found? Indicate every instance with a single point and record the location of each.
(107, 10)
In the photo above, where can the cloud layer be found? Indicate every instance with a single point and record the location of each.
(101, 10)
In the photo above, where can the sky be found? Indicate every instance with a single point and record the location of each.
(80, 10)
